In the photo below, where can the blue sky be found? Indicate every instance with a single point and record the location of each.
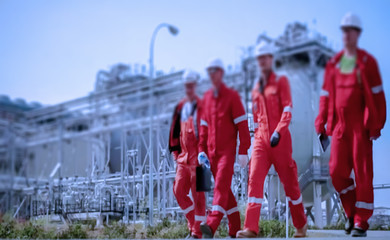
(50, 51)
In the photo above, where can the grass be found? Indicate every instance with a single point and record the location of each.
(274, 228)
(10, 228)
(339, 226)
(39, 229)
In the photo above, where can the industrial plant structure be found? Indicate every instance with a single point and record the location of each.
(91, 157)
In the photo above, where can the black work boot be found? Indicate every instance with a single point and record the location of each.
(349, 226)
(358, 232)
(207, 232)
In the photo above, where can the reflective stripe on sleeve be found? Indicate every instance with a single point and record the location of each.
(287, 109)
(240, 119)
(255, 200)
(203, 123)
(377, 89)
(324, 93)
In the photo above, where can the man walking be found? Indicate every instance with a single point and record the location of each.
(223, 117)
(353, 108)
(183, 143)
(272, 107)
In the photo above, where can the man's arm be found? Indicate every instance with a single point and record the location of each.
(322, 117)
(203, 126)
(375, 81)
(174, 133)
(255, 112)
(240, 119)
(285, 97)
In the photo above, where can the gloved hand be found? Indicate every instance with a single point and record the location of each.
(243, 160)
(275, 138)
(374, 138)
(175, 155)
(203, 159)
(321, 129)
(374, 135)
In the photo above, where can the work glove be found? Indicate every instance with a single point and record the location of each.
(203, 159)
(374, 138)
(374, 135)
(243, 160)
(175, 155)
(275, 138)
(321, 129)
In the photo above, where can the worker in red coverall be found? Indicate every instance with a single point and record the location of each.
(223, 117)
(272, 107)
(183, 144)
(353, 107)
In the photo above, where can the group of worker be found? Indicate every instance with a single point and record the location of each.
(352, 110)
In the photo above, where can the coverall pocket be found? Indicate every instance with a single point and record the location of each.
(274, 98)
(339, 129)
(190, 136)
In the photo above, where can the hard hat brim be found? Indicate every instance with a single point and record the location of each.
(218, 67)
(190, 82)
(264, 54)
(351, 26)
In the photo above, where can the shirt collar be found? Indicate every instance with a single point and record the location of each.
(271, 78)
(217, 93)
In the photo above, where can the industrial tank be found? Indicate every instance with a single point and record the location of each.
(305, 143)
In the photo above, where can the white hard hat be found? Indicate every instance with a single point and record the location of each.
(351, 20)
(215, 63)
(264, 48)
(190, 76)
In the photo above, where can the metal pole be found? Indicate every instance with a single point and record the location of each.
(13, 156)
(317, 204)
(329, 211)
(164, 183)
(287, 216)
(150, 152)
(173, 30)
(279, 200)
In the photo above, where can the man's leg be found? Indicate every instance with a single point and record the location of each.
(181, 189)
(233, 215)
(200, 205)
(259, 167)
(288, 174)
(363, 168)
(340, 168)
(222, 169)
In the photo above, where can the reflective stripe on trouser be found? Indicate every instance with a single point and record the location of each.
(353, 151)
(184, 181)
(224, 201)
(263, 156)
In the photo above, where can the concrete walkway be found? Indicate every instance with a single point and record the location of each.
(339, 234)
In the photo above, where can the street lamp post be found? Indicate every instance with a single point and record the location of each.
(174, 31)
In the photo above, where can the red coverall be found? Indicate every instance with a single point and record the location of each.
(186, 156)
(272, 112)
(354, 108)
(223, 116)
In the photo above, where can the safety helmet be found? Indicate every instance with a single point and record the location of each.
(190, 76)
(215, 63)
(351, 20)
(264, 48)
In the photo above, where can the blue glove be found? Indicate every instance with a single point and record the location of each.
(203, 159)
